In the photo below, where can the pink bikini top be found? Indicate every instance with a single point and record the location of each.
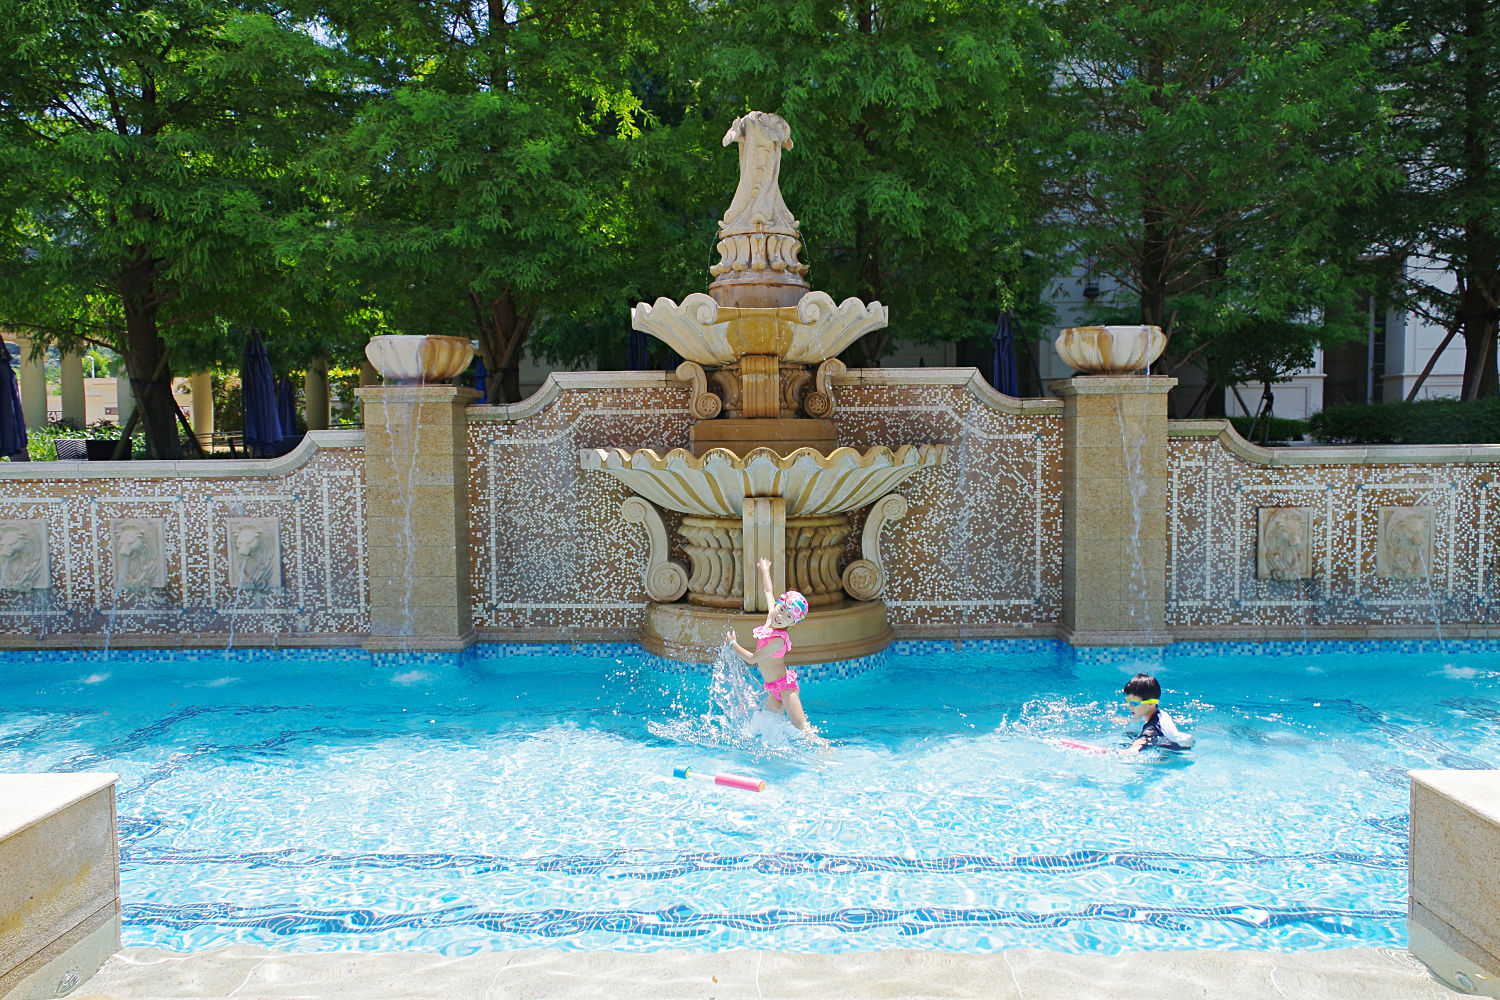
(765, 633)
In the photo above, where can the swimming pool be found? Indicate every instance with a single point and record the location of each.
(522, 796)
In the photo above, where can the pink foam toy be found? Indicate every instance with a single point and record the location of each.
(727, 780)
(1072, 744)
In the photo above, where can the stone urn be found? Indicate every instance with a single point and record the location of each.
(1110, 350)
(418, 359)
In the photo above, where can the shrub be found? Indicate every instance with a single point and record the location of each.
(1281, 429)
(1423, 421)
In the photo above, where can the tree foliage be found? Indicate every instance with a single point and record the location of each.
(144, 171)
(907, 174)
(481, 178)
(1203, 154)
(1444, 214)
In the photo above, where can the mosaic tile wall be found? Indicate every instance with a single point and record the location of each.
(1364, 546)
(194, 559)
(979, 546)
(549, 550)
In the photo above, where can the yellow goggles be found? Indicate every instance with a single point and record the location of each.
(1133, 700)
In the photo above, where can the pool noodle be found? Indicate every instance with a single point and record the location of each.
(1072, 744)
(727, 780)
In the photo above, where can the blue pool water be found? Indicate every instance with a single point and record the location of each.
(332, 800)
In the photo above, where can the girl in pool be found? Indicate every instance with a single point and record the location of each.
(771, 646)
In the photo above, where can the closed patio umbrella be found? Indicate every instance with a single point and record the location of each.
(258, 390)
(12, 421)
(481, 379)
(637, 356)
(1003, 374)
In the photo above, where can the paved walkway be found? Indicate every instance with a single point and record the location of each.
(1024, 974)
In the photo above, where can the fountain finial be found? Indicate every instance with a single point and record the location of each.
(758, 236)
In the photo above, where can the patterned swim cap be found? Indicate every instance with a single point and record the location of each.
(795, 605)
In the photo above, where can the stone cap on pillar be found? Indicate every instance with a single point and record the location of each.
(1102, 385)
(418, 393)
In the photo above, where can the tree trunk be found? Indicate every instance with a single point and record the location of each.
(503, 325)
(1155, 238)
(146, 358)
(1478, 323)
(1479, 272)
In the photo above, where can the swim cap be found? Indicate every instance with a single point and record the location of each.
(795, 605)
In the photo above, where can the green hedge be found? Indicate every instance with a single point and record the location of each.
(1281, 429)
(1423, 421)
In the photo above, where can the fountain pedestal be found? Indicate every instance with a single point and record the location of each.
(840, 631)
(1114, 509)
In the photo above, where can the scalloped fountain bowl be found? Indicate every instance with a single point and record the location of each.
(716, 483)
(418, 359)
(1110, 350)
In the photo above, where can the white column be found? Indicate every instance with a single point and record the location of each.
(315, 395)
(74, 410)
(202, 384)
(124, 399)
(33, 388)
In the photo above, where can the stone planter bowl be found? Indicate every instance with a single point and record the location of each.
(418, 360)
(1110, 350)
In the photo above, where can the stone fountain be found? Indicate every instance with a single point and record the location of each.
(762, 475)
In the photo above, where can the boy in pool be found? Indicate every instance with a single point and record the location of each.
(1143, 698)
(771, 646)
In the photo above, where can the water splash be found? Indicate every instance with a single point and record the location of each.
(733, 718)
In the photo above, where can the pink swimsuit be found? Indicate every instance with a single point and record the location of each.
(764, 634)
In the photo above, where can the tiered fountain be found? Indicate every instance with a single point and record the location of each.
(762, 476)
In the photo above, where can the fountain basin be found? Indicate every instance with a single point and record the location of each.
(1110, 350)
(808, 333)
(407, 359)
(716, 483)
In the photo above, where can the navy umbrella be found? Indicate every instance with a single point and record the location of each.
(258, 390)
(12, 420)
(637, 357)
(286, 406)
(1003, 374)
(480, 378)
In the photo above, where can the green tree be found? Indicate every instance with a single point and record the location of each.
(1444, 215)
(1204, 154)
(909, 174)
(483, 176)
(145, 176)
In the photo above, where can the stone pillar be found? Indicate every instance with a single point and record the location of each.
(74, 410)
(417, 515)
(1114, 509)
(33, 388)
(202, 384)
(315, 395)
(764, 520)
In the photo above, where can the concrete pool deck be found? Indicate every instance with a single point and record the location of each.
(248, 973)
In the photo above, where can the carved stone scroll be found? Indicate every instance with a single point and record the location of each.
(23, 555)
(864, 578)
(703, 404)
(1283, 549)
(254, 552)
(819, 402)
(666, 580)
(140, 562)
(1403, 544)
